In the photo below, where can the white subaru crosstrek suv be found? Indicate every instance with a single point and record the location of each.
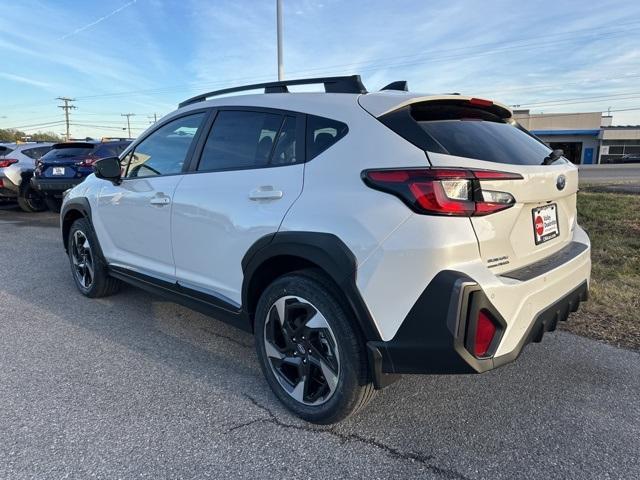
(358, 235)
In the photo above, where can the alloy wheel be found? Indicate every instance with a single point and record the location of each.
(302, 350)
(82, 259)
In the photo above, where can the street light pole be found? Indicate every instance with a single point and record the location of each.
(128, 115)
(279, 28)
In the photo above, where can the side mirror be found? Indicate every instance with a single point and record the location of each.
(109, 169)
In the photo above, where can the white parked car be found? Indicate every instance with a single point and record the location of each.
(358, 235)
(17, 162)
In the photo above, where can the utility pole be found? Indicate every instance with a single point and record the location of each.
(128, 115)
(66, 107)
(155, 118)
(279, 29)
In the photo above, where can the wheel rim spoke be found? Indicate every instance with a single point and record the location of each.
(330, 375)
(280, 309)
(272, 351)
(298, 391)
(82, 259)
(317, 321)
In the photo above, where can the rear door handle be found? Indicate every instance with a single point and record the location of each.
(266, 192)
(160, 199)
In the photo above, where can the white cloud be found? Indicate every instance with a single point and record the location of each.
(25, 80)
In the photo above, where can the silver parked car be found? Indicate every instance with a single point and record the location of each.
(17, 162)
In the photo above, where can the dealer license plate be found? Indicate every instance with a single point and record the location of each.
(545, 223)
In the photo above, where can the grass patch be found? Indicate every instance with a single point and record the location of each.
(612, 314)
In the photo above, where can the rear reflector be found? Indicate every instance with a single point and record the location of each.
(443, 191)
(485, 331)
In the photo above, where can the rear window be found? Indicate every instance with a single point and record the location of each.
(322, 133)
(470, 132)
(59, 153)
(36, 153)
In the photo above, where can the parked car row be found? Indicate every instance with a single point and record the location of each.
(36, 174)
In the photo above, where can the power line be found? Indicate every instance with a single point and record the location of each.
(569, 101)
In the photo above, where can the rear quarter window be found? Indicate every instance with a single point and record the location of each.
(322, 133)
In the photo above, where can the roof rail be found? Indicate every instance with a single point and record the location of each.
(346, 84)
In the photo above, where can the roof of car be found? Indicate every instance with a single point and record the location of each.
(331, 102)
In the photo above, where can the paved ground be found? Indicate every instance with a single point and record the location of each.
(610, 173)
(132, 386)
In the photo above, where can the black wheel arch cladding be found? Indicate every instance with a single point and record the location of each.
(324, 250)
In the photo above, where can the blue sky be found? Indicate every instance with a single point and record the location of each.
(145, 56)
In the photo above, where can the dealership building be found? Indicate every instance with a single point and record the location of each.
(585, 138)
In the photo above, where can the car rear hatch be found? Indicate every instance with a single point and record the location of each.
(479, 135)
(65, 159)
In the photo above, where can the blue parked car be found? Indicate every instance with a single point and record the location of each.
(67, 164)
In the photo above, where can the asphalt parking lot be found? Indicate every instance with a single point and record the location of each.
(133, 386)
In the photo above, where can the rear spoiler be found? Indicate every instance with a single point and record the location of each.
(378, 104)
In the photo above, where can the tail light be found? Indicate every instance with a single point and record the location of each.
(485, 331)
(88, 161)
(5, 162)
(443, 191)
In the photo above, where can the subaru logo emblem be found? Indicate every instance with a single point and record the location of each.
(561, 182)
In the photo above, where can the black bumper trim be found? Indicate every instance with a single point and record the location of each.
(433, 336)
(547, 321)
(54, 185)
(547, 264)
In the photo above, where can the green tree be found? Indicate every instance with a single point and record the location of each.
(13, 135)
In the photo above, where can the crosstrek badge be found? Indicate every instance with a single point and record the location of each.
(545, 223)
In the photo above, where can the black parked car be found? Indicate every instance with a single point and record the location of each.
(67, 164)
(630, 158)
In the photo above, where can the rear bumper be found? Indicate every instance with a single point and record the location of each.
(435, 336)
(54, 186)
(8, 189)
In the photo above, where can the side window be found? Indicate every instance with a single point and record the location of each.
(165, 150)
(240, 139)
(322, 133)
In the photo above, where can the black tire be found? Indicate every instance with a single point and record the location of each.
(98, 283)
(53, 204)
(30, 200)
(353, 388)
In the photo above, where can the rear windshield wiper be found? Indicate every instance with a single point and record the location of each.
(553, 156)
